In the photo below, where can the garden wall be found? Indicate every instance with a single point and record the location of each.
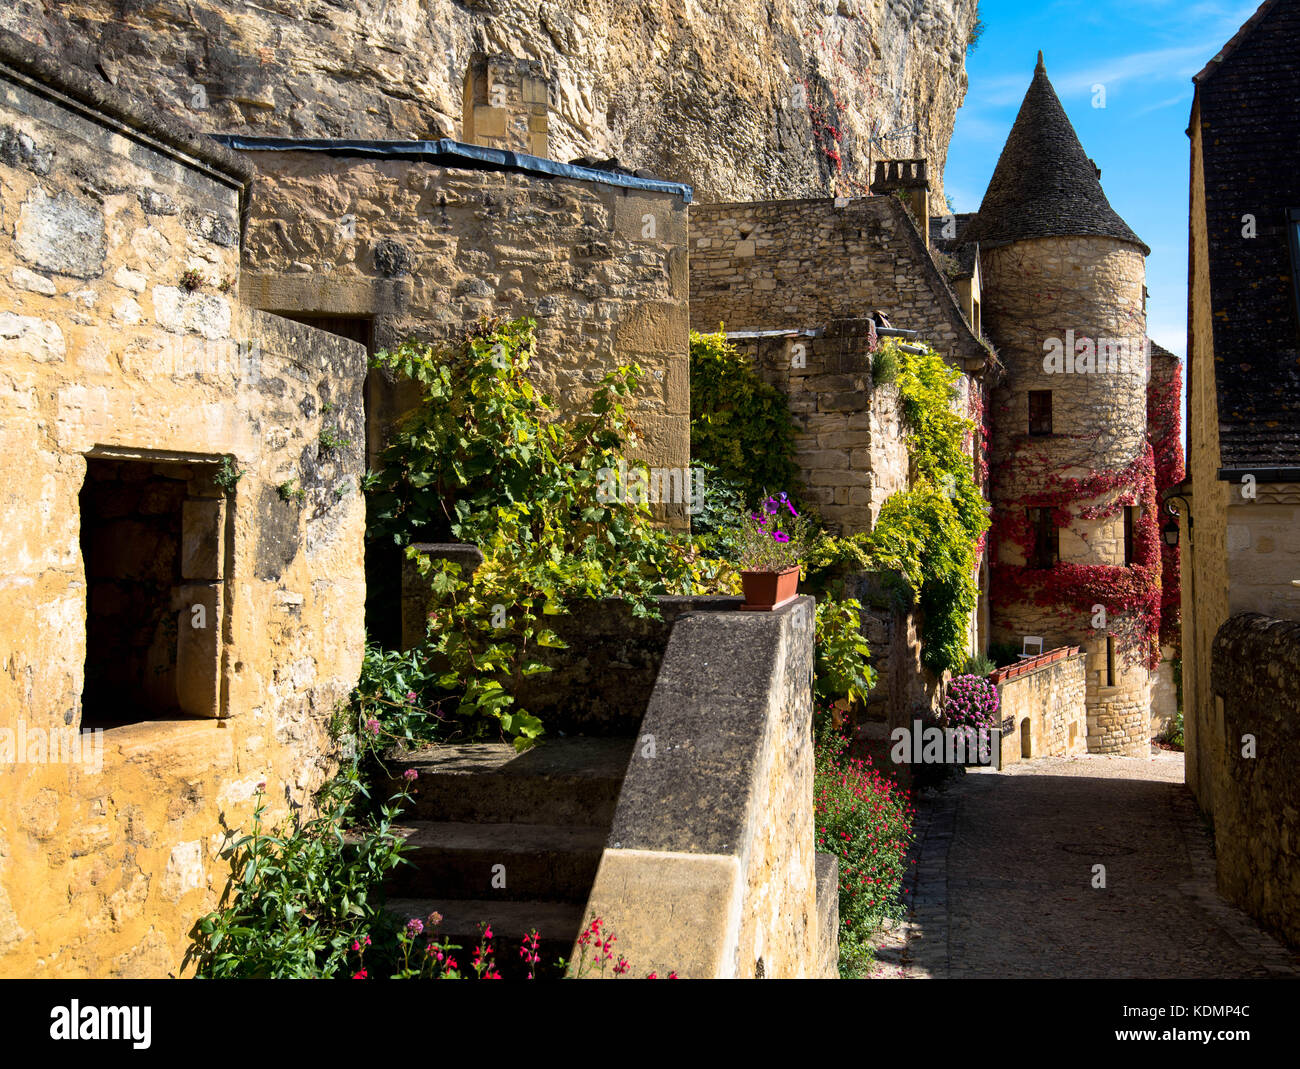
(1043, 709)
(1255, 675)
(710, 867)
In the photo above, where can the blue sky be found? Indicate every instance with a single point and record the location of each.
(1144, 52)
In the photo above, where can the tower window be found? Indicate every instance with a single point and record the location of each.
(1040, 412)
(1130, 522)
(1110, 660)
(1047, 539)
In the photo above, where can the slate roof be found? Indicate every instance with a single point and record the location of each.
(1044, 184)
(1249, 100)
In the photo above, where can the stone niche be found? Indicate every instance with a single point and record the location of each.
(182, 559)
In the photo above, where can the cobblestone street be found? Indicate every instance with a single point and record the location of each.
(1003, 880)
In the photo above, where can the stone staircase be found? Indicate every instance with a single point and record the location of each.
(512, 839)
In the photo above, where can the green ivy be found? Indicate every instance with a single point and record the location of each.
(930, 532)
(740, 425)
(842, 669)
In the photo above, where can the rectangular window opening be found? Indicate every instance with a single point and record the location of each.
(1130, 523)
(1047, 539)
(152, 542)
(1110, 660)
(1040, 412)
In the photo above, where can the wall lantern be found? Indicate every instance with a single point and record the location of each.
(1177, 505)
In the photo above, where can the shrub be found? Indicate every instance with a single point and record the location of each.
(302, 894)
(979, 664)
(1173, 733)
(843, 671)
(487, 459)
(972, 702)
(865, 821)
(884, 366)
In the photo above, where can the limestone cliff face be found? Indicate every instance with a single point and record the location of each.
(746, 99)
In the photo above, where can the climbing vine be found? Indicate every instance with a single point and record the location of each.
(740, 425)
(931, 533)
(1130, 595)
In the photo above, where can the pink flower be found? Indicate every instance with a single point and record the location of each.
(360, 975)
(415, 926)
(372, 726)
(410, 775)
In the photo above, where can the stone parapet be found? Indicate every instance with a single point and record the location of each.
(710, 866)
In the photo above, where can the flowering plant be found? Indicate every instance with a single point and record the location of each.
(971, 702)
(865, 820)
(773, 538)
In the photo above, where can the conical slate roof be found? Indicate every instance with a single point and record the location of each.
(1044, 184)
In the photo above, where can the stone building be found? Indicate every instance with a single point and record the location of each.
(1075, 543)
(182, 561)
(795, 284)
(386, 240)
(1239, 509)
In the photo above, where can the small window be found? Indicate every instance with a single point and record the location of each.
(1040, 412)
(1110, 660)
(1047, 539)
(152, 542)
(1130, 522)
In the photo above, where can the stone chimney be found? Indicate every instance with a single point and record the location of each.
(910, 178)
(506, 104)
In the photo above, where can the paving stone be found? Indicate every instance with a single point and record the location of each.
(1002, 884)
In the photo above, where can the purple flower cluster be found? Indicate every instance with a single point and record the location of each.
(771, 541)
(771, 510)
(972, 702)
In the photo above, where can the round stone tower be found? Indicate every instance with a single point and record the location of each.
(1075, 541)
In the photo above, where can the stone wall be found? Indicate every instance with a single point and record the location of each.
(1256, 682)
(796, 264)
(422, 249)
(850, 441)
(710, 867)
(1043, 706)
(742, 99)
(112, 364)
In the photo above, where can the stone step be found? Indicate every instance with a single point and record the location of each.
(557, 925)
(572, 780)
(461, 860)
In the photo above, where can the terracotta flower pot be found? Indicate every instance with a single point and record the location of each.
(765, 591)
